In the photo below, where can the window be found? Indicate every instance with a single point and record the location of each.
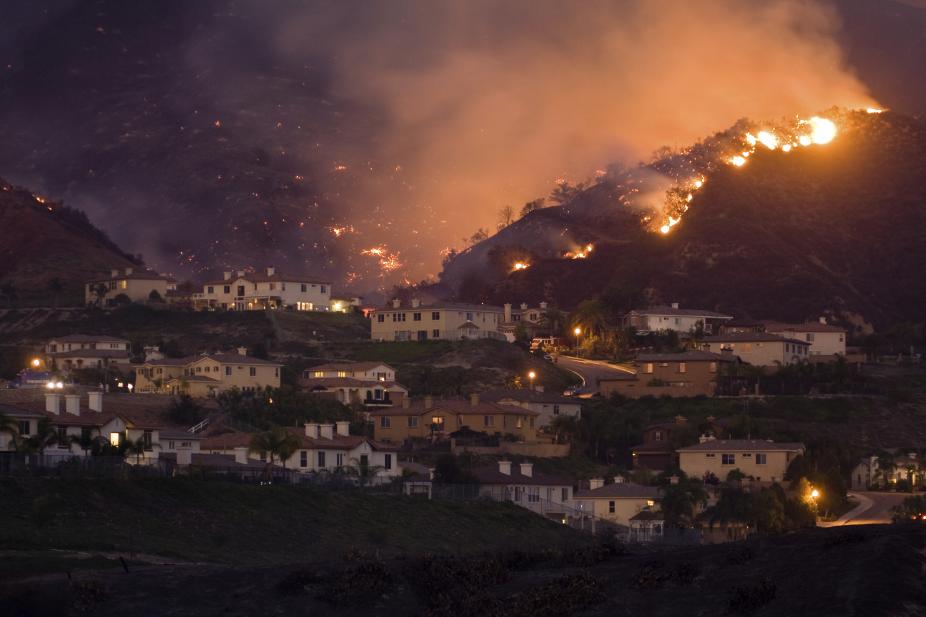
(564, 494)
(682, 367)
(517, 493)
(657, 436)
(170, 445)
(339, 457)
(342, 373)
(611, 507)
(146, 439)
(413, 422)
(810, 337)
(226, 289)
(519, 423)
(435, 315)
(648, 367)
(364, 460)
(728, 459)
(488, 420)
(435, 333)
(422, 335)
(437, 422)
(276, 371)
(321, 460)
(302, 288)
(761, 458)
(469, 316)
(385, 422)
(303, 458)
(555, 410)
(24, 428)
(228, 370)
(323, 290)
(273, 286)
(398, 317)
(380, 318)
(712, 367)
(283, 286)
(416, 316)
(114, 439)
(378, 394)
(533, 494)
(63, 438)
(253, 371)
(388, 462)
(240, 290)
(210, 289)
(710, 455)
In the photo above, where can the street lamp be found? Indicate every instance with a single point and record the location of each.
(36, 362)
(577, 332)
(531, 376)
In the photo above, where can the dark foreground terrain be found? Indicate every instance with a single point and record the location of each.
(348, 562)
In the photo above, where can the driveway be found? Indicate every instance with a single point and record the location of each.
(590, 371)
(874, 508)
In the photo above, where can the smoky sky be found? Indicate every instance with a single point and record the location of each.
(486, 103)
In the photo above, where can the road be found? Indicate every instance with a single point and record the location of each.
(873, 509)
(590, 371)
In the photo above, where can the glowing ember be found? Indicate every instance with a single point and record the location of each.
(768, 139)
(823, 131)
(340, 167)
(339, 231)
(520, 265)
(737, 160)
(387, 261)
(873, 110)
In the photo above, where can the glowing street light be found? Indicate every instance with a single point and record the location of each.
(36, 363)
(814, 494)
(531, 376)
(577, 332)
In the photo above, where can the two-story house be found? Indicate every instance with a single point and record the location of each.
(533, 319)
(244, 291)
(547, 405)
(657, 452)
(436, 419)
(766, 461)
(86, 351)
(823, 338)
(446, 321)
(544, 493)
(138, 285)
(371, 384)
(691, 373)
(666, 318)
(758, 348)
(206, 375)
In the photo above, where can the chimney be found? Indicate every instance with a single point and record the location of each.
(406, 402)
(543, 306)
(184, 456)
(326, 431)
(311, 430)
(240, 272)
(507, 308)
(524, 306)
(72, 404)
(396, 303)
(673, 479)
(474, 399)
(129, 271)
(618, 479)
(527, 469)
(675, 305)
(226, 275)
(416, 302)
(114, 272)
(343, 428)
(271, 271)
(430, 473)
(241, 455)
(594, 483)
(504, 467)
(95, 401)
(242, 351)
(823, 320)
(53, 403)
(428, 401)
(680, 419)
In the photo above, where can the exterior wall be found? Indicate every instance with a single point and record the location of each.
(82, 362)
(548, 411)
(137, 290)
(697, 464)
(400, 324)
(624, 507)
(153, 377)
(821, 343)
(336, 460)
(397, 427)
(228, 375)
(56, 346)
(678, 323)
(238, 293)
(537, 498)
(762, 353)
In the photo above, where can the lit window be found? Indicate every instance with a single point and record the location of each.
(114, 439)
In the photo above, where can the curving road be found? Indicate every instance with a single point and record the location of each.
(874, 508)
(590, 371)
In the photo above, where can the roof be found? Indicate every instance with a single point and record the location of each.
(456, 406)
(750, 337)
(647, 515)
(491, 475)
(526, 395)
(176, 433)
(222, 358)
(346, 366)
(812, 326)
(345, 382)
(688, 356)
(668, 310)
(87, 338)
(620, 490)
(446, 306)
(208, 459)
(746, 445)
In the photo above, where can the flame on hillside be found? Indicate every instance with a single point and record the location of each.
(580, 253)
(388, 261)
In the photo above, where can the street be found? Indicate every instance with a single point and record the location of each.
(590, 371)
(874, 509)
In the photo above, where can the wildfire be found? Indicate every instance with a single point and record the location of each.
(520, 265)
(581, 253)
(387, 261)
(339, 231)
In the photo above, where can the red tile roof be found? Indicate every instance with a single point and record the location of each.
(455, 406)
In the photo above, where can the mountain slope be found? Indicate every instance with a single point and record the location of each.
(41, 240)
(836, 228)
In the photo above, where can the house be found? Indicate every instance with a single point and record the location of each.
(868, 473)
(657, 452)
(646, 526)
(138, 285)
(208, 374)
(445, 320)
(758, 348)
(766, 461)
(436, 419)
(824, 339)
(546, 405)
(531, 319)
(83, 351)
(324, 448)
(692, 373)
(546, 494)
(244, 291)
(371, 384)
(673, 318)
(617, 502)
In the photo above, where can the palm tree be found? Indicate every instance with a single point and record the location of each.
(55, 286)
(45, 435)
(99, 291)
(138, 448)
(363, 470)
(86, 441)
(277, 442)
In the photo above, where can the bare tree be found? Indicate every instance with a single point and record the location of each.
(505, 217)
